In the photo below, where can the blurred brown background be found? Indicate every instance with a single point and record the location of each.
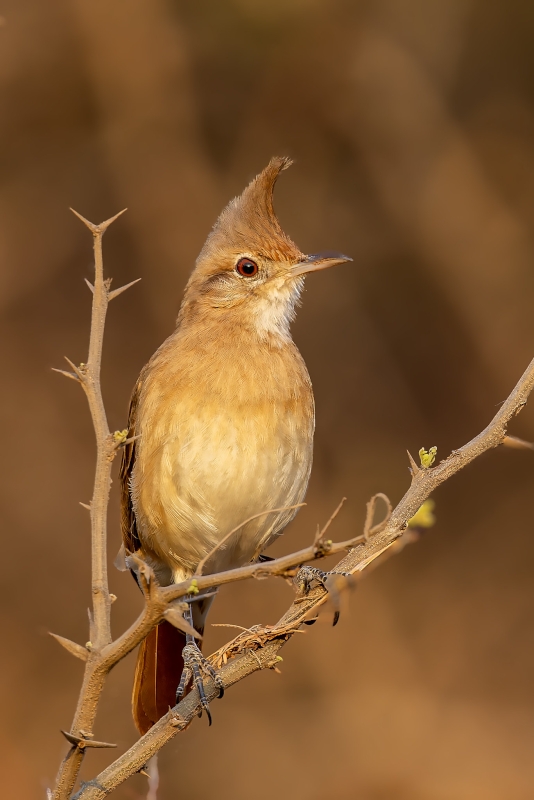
(412, 125)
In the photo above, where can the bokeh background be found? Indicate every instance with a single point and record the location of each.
(411, 123)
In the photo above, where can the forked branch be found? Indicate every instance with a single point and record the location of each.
(258, 648)
(253, 649)
(88, 375)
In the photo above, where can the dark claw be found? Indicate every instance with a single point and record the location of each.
(305, 580)
(310, 621)
(182, 686)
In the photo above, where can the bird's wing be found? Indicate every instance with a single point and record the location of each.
(159, 661)
(130, 536)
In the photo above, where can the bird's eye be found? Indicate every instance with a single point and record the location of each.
(246, 267)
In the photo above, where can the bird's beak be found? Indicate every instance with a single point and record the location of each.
(318, 261)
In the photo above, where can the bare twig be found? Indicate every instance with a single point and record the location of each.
(224, 540)
(100, 631)
(321, 531)
(258, 649)
(161, 597)
(368, 529)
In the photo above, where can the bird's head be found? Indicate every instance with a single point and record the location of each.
(248, 265)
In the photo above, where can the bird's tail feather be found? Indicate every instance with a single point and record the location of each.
(157, 675)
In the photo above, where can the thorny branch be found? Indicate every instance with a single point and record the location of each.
(253, 649)
(88, 375)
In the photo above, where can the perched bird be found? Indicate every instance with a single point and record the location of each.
(224, 416)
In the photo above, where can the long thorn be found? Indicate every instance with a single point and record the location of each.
(96, 229)
(73, 648)
(414, 469)
(82, 743)
(516, 443)
(116, 292)
(77, 371)
(67, 374)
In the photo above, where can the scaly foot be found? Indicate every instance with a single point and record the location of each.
(308, 576)
(194, 665)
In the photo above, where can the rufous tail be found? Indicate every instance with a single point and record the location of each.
(157, 675)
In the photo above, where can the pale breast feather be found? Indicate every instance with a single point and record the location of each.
(205, 464)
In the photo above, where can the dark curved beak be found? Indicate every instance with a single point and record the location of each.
(317, 261)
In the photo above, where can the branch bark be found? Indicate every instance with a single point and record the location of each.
(88, 375)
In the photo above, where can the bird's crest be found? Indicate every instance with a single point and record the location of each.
(249, 223)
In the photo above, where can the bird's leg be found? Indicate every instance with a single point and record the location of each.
(307, 576)
(194, 665)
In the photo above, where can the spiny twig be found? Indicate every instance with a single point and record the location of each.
(88, 375)
(319, 536)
